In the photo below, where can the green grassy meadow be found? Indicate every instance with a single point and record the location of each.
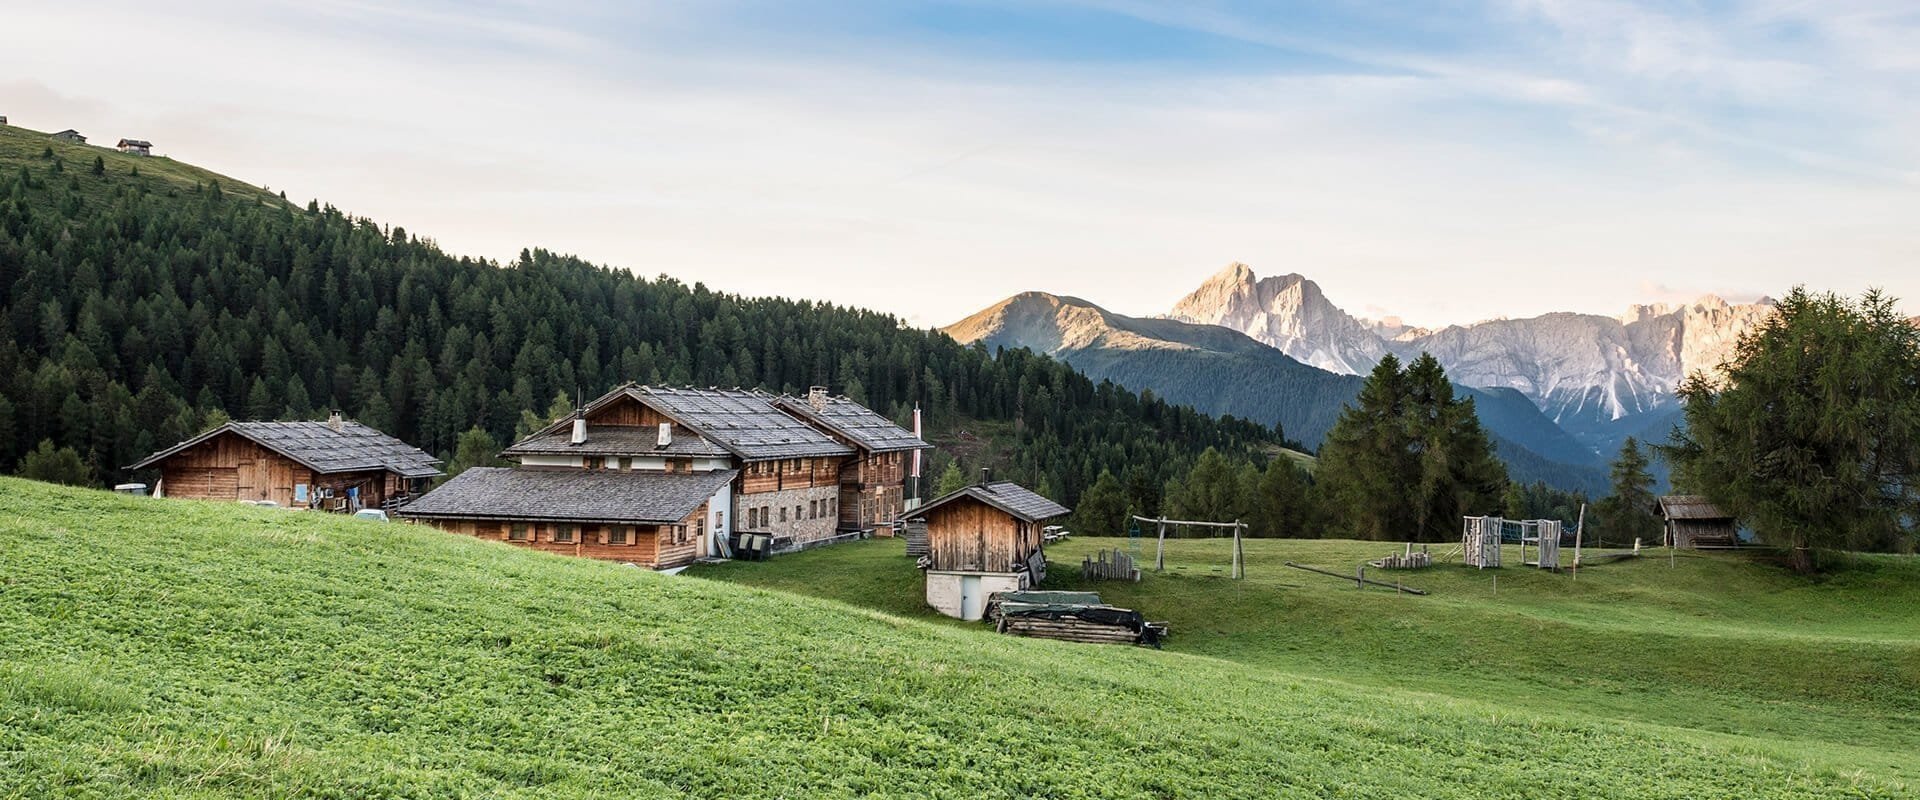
(158, 173)
(177, 649)
(1709, 647)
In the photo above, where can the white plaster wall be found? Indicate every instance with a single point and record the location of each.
(943, 588)
(551, 461)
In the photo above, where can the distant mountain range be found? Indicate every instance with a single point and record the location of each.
(1220, 371)
(1559, 392)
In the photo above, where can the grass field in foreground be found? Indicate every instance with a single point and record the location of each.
(154, 648)
(1717, 646)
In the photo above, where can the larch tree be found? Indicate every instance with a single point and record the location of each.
(1810, 433)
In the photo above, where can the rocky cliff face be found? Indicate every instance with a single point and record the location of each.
(1287, 312)
(1586, 372)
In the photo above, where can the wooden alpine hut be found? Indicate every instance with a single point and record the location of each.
(1694, 521)
(983, 539)
(336, 465)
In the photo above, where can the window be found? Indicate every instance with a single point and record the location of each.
(813, 509)
(783, 513)
(517, 533)
(752, 514)
(617, 535)
(593, 462)
(699, 528)
(796, 512)
(565, 534)
(766, 516)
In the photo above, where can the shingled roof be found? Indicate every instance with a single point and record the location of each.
(570, 495)
(318, 447)
(865, 427)
(1690, 506)
(614, 440)
(742, 421)
(1006, 496)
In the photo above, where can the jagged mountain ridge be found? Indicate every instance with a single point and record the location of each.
(1591, 374)
(1219, 371)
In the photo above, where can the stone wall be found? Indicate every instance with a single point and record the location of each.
(815, 507)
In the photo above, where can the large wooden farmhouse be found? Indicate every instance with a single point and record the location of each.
(629, 464)
(983, 539)
(336, 465)
(873, 481)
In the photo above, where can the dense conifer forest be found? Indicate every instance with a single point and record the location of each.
(137, 309)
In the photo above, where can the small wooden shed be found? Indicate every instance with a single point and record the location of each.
(70, 135)
(1694, 521)
(983, 539)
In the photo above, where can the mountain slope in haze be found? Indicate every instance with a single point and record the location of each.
(1219, 371)
(1595, 376)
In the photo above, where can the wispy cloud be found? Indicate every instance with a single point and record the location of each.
(929, 158)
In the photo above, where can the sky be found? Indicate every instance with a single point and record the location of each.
(1439, 161)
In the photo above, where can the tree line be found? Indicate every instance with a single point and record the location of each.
(135, 313)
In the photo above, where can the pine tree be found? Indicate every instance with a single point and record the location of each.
(476, 448)
(61, 465)
(99, 166)
(1102, 510)
(1628, 513)
(1283, 502)
(951, 480)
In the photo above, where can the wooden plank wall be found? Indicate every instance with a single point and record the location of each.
(789, 473)
(973, 536)
(656, 547)
(627, 411)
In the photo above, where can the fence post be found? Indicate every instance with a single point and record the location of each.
(1160, 549)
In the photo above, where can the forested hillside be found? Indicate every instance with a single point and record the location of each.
(141, 299)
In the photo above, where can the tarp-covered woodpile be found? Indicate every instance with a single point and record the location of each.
(1073, 617)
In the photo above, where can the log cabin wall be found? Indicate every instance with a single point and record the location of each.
(968, 535)
(232, 467)
(653, 546)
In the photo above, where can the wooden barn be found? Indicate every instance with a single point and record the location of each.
(1694, 521)
(873, 480)
(138, 147)
(654, 519)
(336, 465)
(983, 539)
(70, 135)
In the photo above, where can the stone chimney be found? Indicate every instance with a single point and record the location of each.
(335, 423)
(817, 397)
(666, 435)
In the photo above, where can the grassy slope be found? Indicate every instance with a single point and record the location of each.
(181, 649)
(1711, 649)
(22, 146)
